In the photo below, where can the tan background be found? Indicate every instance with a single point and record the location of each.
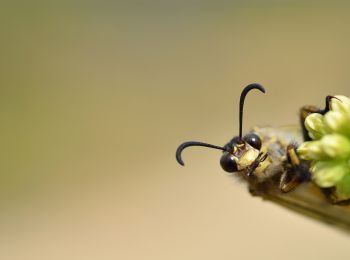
(95, 97)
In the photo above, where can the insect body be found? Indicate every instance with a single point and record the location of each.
(265, 158)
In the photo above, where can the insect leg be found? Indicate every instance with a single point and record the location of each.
(261, 157)
(296, 174)
(334, 197)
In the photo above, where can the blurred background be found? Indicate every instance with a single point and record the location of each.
(95, 96)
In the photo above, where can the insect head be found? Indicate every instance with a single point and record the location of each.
(241, 153)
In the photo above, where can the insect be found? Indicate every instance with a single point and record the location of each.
(266, 158)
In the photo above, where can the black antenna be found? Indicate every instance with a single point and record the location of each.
(187, 144)
(241, 103)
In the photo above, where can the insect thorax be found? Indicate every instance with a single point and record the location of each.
(275, 142)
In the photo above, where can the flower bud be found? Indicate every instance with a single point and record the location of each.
(340, 104)
(335, 146)
(343, 186)
(328, 173)
(314, 123)
(338, 122)
(311, 150)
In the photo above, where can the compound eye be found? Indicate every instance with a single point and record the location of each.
(235, 140)
(227, 163)
(253, 140)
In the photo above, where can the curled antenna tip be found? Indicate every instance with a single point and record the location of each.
(192, 143)
(178, 154)
(255, 86)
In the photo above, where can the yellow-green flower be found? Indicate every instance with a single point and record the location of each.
(329, 149)
(315, 125)
(328, 173)
(311, 150)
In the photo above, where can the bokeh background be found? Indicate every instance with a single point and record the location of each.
(95, 96)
